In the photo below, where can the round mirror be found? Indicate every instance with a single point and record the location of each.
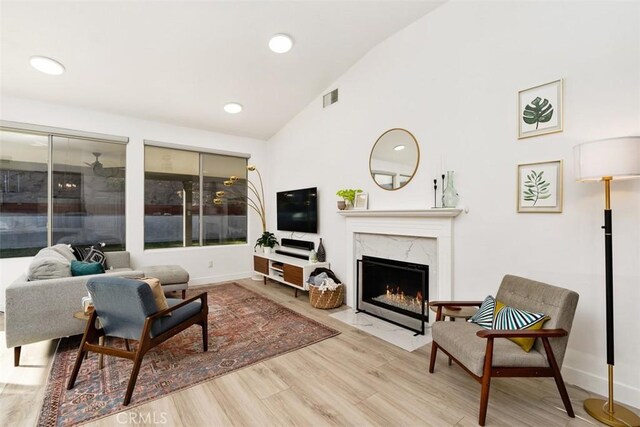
(394, 159)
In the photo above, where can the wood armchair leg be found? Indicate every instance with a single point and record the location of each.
(205, 333)
(486, 382)
(137, 362)
(16, 355)
(81, 356)
(432, 359)
(90, 334)
(558, 377)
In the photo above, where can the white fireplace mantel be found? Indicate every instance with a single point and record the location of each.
(436, 212)
(427, 223)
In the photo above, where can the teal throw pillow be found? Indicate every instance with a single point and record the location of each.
(83, 268)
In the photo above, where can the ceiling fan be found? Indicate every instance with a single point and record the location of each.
(96, 166)
(100, 170)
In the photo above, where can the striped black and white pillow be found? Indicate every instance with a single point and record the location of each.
(484, 315)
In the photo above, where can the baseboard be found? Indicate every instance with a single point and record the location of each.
(199, 281)
(623, 393)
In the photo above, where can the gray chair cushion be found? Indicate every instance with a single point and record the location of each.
(460, 340)
(178, 316)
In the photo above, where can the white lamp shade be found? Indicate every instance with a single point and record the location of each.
(618, 158)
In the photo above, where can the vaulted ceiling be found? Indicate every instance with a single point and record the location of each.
(180, 62)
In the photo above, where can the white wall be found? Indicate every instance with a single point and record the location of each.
(452, 79)
(229, 262)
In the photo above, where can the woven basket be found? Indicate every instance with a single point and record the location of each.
(327, 299)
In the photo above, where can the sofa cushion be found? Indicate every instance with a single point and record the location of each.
(83, 268)
(460, 340)
(118, 260)
(167, 274)
(49, 264)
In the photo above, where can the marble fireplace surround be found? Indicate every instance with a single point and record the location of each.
(422, 236)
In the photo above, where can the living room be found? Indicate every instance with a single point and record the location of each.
(448, 72)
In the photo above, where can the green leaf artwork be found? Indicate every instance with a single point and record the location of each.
(535, 188)
(539, 111)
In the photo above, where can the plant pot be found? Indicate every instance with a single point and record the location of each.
(342, 205)
(266, 250)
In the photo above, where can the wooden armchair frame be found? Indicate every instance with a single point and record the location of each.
(490, 371)
(145, 343)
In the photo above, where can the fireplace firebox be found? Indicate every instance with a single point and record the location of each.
(395, 291)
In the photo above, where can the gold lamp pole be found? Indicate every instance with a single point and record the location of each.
(606, 160)
(254, 201)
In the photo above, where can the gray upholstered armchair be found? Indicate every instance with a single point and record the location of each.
(126, 308)
(486, 353)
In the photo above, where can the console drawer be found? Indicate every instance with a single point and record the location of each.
(261, 265)
(293, 274)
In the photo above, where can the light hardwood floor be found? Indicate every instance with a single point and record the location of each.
(353, 379)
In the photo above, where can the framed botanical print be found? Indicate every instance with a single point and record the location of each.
(540, 187)
(540, 110)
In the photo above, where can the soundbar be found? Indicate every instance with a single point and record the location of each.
(297, 244)
(278, 251)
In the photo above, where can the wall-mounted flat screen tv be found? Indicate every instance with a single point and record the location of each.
(298, 210)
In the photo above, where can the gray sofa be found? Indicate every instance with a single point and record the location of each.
(39, 310)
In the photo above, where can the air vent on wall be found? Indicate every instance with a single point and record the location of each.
(330, 98)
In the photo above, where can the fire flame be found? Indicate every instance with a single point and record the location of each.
(399, 296)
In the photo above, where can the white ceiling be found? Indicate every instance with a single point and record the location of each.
(180, 62)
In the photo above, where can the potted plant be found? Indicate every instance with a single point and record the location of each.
(267, 241)
(348, 195)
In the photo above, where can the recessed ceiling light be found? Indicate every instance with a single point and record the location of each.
(233, 108)
(281, 43)
(399, 147)
(47, 65)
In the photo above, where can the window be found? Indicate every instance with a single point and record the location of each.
(180, 186)
(88, 192)
(23, 193)
(76, 184)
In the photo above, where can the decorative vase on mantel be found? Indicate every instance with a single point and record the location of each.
(321, 254)
(450, 194)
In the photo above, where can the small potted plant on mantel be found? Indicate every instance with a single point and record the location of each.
(348, 195)
(267, 241)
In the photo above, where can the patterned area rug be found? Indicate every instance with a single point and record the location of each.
(244, 328)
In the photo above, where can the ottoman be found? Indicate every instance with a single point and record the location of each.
(172, 277)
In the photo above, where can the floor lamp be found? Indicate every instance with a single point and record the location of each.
(607, 160)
